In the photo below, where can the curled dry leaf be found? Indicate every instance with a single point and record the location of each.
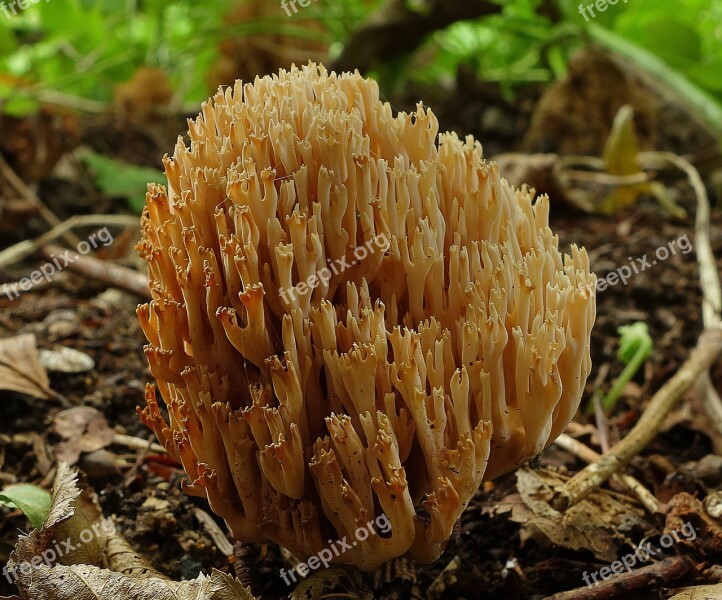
(324, 584)
(84, 582)
(446, 578)
(602, 523)
(20, 566)
(20, 369)
(82, 429)
(73, 516)
(74, 528)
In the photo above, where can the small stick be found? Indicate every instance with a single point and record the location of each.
(28, 194)
(653, 576)
(579, 450)
(135, 443)
(600, 415)
(107, 272)
(27, 247)
(37, 287)
(708, 349)
(708, 274)
(607, 179)
(709, 279)
(214, 531)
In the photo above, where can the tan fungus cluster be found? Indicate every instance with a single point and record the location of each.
(396, 385)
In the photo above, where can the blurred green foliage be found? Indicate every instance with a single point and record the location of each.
(119, 179)
(82, 48)
(528, 42)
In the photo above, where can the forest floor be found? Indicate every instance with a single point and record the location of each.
(493, 556)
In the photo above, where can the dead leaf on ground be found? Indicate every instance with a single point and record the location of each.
(20, 369)
(84, 582)
(601, 523)
(700, 592)
(82, 429)
(684, 511)
(75, 521)
(344, 581)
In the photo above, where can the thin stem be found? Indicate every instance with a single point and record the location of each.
(610, 400)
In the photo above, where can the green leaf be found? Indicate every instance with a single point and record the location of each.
(21, 106)
(676, 43)
(117, 178)
(34, 501)
(635, 347)
(7, 40)
(707, 75)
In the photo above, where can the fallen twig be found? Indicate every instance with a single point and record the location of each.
(608, 179)
(579, 450)
(27, 247)
(107, 272)
(709, 279)
(624, 585)
(135, 443)
(31, 197)
(708, 274)
(708, 349)
(696, 367)
(214, 531)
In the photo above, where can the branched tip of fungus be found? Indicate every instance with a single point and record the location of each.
(353, 316)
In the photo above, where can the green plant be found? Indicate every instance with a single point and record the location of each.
(635, 347)
(34, 501)
(117, 178)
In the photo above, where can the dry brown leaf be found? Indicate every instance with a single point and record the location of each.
(62, 509)
(84, 582)
(323, 584)
(685, 509)
(600, 523)
(65, 491)
(20, 369)
(700, 592)
(87, 532)
(123, 559)
(82, 429)
(72, 515)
